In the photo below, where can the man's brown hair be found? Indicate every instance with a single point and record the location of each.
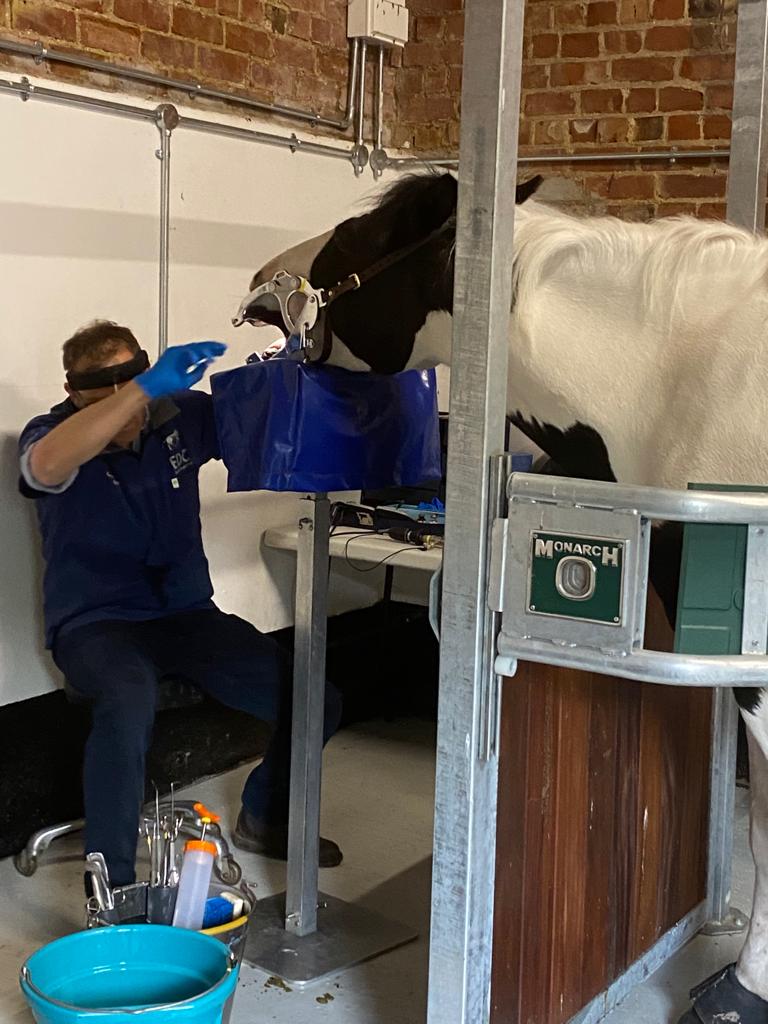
(96, 342)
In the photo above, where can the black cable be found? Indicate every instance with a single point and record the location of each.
(368, 533)
(361, 532)
(376, 565)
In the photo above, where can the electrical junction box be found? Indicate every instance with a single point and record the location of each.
(378, 21)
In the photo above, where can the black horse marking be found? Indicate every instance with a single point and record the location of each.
(577, 452)
(415, 207)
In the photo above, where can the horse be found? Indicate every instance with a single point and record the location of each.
(636, 354)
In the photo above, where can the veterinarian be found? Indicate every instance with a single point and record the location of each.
(113, 471)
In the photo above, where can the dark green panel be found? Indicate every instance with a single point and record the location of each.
(709, 578)
(693, 639)
(711, 596)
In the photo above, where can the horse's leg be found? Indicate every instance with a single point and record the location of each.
(752, 967)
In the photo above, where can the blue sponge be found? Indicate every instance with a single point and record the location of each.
(217, 911)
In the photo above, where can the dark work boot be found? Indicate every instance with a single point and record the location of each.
(272, 841)
(722, 999)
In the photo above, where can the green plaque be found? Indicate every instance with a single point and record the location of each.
(575, 576)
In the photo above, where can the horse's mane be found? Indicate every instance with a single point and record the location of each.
(407, 205)
(661, 254)
(409, 187)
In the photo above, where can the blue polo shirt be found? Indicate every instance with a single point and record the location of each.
(122, 537)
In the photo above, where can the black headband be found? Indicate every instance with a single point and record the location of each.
(108, 376)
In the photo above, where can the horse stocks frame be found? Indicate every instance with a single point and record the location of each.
(478, 477)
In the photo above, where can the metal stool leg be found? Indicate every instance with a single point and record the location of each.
(25, 862)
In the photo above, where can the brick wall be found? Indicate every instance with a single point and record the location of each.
(293, 52)
(598, 75)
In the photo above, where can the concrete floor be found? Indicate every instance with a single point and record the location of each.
(377, 804)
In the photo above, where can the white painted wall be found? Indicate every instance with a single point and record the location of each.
(78, 240)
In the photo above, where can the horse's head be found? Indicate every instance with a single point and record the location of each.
(402, 253)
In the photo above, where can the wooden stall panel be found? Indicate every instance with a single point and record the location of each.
(603, 805)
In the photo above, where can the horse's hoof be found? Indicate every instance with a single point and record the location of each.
(722, 999)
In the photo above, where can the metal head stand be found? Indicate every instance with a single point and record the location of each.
(302, 935)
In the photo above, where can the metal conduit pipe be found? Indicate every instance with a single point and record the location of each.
(354, 70)
(360, 150)
(166, 118)
(671, 156)
(291, 142)
(40, 53)
(379, 127)
(26, 90)
(378, 156)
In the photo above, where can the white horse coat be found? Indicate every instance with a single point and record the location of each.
(654, 335)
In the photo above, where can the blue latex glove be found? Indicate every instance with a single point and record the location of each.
(179, 367)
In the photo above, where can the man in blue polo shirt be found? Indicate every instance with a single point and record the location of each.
(128, 597)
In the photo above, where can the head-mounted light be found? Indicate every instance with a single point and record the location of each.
(108, 376)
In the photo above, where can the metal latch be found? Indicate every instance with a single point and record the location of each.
(574, 573)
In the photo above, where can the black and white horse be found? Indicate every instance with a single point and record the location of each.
(637, 352)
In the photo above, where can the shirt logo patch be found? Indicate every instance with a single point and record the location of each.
(179, 457)
(180, 461)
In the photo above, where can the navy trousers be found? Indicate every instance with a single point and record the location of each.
(116, 666)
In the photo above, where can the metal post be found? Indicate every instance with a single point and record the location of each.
(302, 935)
(308, 709)
(722, 917)
(166, 118)
(465, 808)
(747, 184)
(748, 174)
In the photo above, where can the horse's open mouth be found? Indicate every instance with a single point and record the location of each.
(267, 318)
(262, 312)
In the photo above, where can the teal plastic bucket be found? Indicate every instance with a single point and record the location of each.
(129, 974)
